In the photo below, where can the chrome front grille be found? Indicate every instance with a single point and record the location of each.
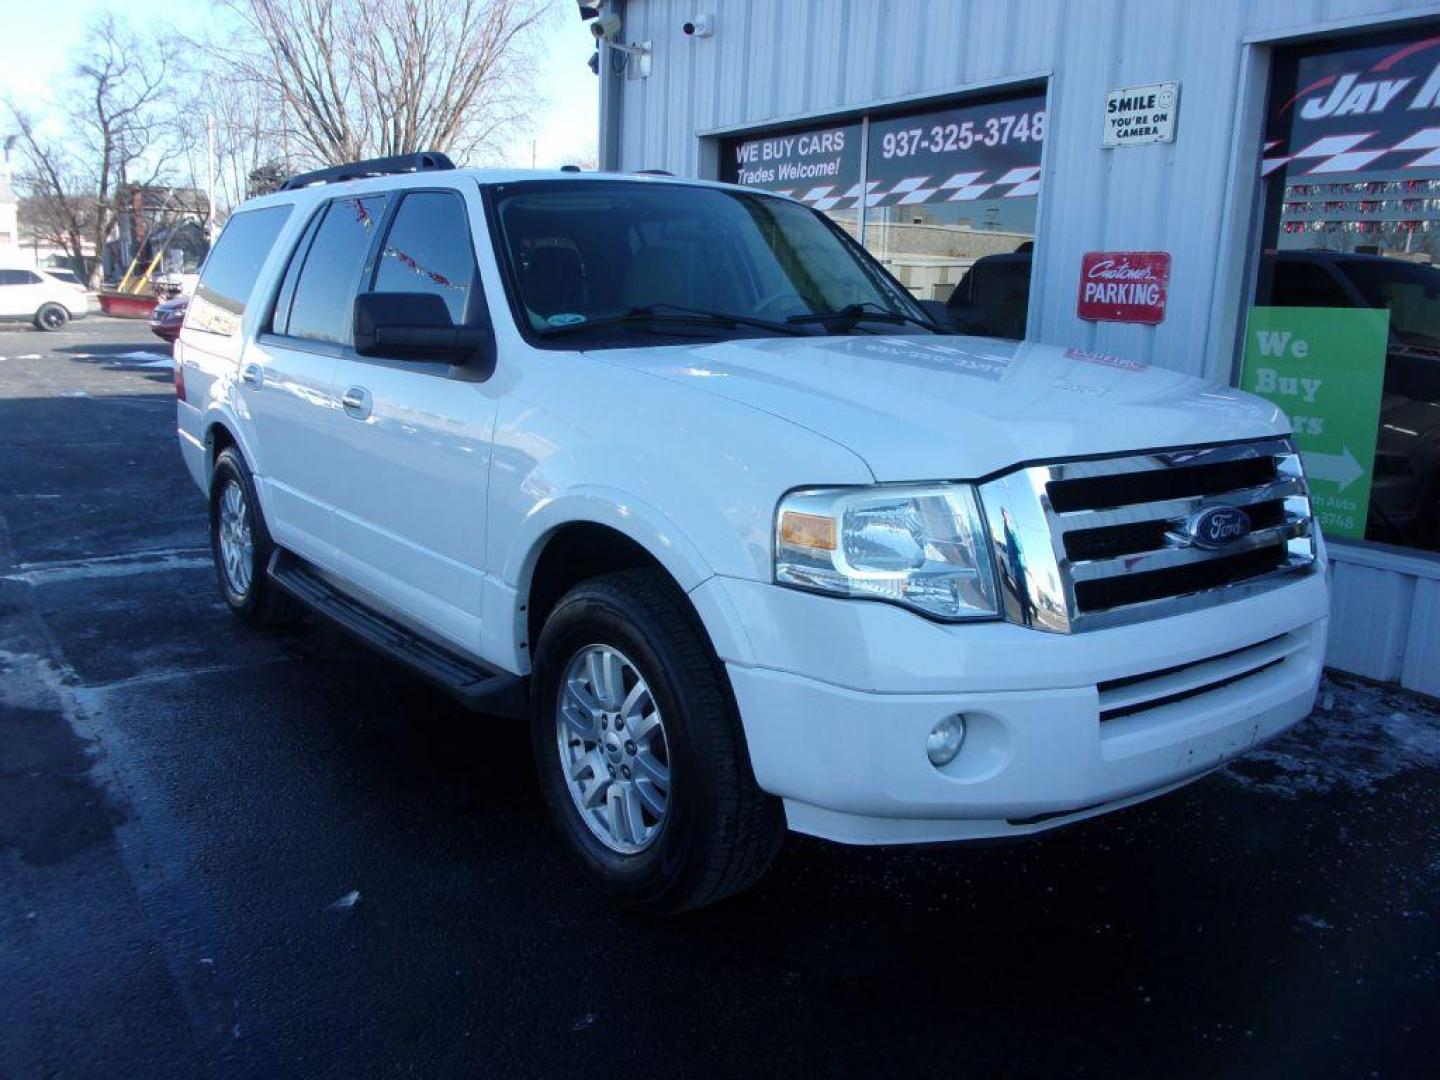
(1082, 545)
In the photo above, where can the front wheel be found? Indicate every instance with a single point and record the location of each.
(640, 753)
(51, 317)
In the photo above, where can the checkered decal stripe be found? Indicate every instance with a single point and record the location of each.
(1350, 153)
(913, 190)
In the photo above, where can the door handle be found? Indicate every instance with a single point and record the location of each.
(253, 374)
(356, 402)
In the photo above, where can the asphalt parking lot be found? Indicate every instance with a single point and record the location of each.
(235, 854)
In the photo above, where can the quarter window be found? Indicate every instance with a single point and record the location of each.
(325, 291)
(428, 250)
(233, 265)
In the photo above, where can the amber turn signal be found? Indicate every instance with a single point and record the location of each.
(807, 530)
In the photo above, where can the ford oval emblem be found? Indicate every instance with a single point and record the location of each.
(1215, 527)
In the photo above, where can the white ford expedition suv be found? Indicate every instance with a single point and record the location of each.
(680, 473)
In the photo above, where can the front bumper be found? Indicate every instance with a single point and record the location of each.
(837, 713)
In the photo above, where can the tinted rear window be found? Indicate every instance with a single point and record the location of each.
(325, 294)
(230, 271)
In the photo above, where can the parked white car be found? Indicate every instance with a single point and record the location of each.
(34, 296)
(679, 472)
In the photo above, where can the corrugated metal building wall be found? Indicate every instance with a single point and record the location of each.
(771, 62)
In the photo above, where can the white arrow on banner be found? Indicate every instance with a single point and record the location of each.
(1340, 468)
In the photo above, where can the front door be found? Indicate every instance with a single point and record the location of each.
(414, 437)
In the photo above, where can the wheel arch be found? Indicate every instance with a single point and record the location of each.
(594, 532)
(221, 431)
(571, 553)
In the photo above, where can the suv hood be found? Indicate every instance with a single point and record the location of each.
(927, 408)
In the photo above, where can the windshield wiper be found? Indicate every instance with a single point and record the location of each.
(652, 313)
(867, 310)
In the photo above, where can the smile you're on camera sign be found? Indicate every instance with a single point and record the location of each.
(1137, 115)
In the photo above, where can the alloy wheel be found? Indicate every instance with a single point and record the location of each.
(613, 752)
(237, 544)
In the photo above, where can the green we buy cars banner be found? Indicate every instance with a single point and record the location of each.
(1325, 368)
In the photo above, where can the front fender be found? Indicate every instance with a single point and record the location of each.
(689, 477)
(635, 519)
(597, 504)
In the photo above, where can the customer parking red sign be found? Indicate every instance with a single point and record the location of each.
(1124, 286)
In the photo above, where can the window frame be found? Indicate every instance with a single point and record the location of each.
(346, 350)
(372, 271)
(248, 304)
(307, 241)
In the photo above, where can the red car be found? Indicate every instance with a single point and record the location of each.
(167, 317)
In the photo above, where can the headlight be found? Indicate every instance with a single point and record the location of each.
(922, 547)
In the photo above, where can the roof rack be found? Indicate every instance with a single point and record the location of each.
(429, 161)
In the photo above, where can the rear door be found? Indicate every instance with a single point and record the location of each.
(414, 436)
(288, 379)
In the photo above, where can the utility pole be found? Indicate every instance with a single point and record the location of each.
(210, 177)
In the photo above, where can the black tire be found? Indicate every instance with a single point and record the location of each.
(262, 603)
(51, 317)
(720, 831)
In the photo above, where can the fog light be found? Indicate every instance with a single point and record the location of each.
(945, 741)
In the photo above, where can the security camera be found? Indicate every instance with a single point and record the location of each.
(701, 26)
(589, 9)
(606, 28)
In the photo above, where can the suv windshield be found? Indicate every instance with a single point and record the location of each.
(605, 259)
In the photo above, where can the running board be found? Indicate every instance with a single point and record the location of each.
(482, 689)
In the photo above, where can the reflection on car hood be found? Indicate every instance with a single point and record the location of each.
(917, 407)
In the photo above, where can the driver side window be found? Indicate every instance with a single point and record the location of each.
(428, 250)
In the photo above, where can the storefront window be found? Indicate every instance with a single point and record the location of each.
(818, 166)
(951, 207)
(1345, 332)
(944, 197)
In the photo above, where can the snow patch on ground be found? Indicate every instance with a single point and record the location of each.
(143, 359)
(346, 902)
(1358, 737)
(101, 566)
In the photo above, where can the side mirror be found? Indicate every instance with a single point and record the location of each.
(417, 326)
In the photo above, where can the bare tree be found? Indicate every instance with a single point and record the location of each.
(52, 210)
(242, 126)
(361, 78)
(118, 132)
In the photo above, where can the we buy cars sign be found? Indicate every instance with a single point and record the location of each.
(1124, 286)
